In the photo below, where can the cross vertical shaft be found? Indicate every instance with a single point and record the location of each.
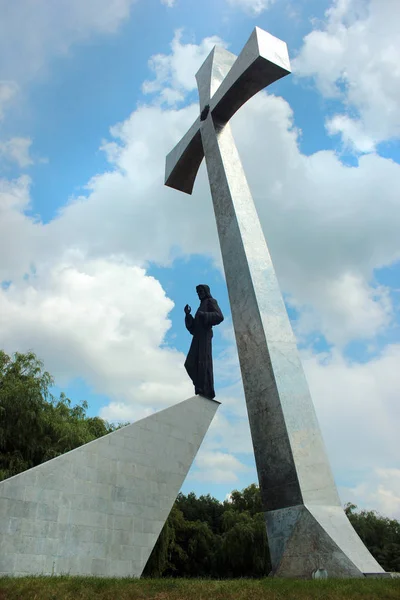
(291, 460)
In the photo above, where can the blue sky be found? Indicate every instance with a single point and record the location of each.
(100, 258)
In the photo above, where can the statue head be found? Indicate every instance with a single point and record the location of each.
(203, 291)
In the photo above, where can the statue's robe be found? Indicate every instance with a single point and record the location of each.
(199, 364)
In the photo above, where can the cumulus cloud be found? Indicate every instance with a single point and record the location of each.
(364, 397)
(303, 215)
(230, 430)
(104, 320)
(16, 150)
(326, 230)
(174, 73)
(365, 312)
(218, 467)
(8, 89)
(253, 7)
(147, 222)
(353, 56)
(357, 405)
(381, 493)
(31, 33)
(21, 240)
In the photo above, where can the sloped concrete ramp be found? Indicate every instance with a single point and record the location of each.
(99, 509)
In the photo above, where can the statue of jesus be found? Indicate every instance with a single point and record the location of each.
(199, 363)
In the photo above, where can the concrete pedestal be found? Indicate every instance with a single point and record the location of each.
(306, 539)
(99, 509)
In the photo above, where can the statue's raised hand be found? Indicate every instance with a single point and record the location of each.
(187, 309)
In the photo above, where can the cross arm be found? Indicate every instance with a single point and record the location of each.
(183, 162)
(263, 60)
(230, 82)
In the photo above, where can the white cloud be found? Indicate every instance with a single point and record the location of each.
(254, 7)
(325, 228)
(122, 412)
(357, 405)
(169, 3)
(312, 208)
(354, 57)
(386, 497)
(366, 312)
(147, 222)
(8, 89)
(381, 493)
(321, 218)
(352, 131)
(104, 320)
(174, 73)
(230, 430)
(17, 149)
(32, 33)
(21, 236)
(218, 467)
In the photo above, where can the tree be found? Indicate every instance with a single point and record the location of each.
(380, 534)
(244, 544)
(204, 537)
(245, 547)
(205, 508)
(160, 560)
(248, 499)
(35, 426)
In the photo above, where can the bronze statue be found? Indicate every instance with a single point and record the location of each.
(199, 363)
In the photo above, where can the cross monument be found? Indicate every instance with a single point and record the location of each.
(308, 531)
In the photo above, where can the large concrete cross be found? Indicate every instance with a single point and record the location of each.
(306, 526)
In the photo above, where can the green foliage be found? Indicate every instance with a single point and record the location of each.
(35, 426)
(380, 534)
(244, 544)
(206, 538)
(159, 560)
(206, 509)
(248, 499)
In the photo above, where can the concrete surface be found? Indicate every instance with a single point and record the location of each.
(99, 509)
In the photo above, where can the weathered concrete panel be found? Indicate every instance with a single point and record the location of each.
(99, 509)
(303, 539)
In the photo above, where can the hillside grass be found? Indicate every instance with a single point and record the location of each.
(91, 588)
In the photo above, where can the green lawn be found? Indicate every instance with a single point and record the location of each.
(86, 588)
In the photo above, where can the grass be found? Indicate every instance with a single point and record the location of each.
(91, 588)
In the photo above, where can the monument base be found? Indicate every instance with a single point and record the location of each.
(307, 539)
(99, 509)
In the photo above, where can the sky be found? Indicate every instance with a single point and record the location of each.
(98, 258)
